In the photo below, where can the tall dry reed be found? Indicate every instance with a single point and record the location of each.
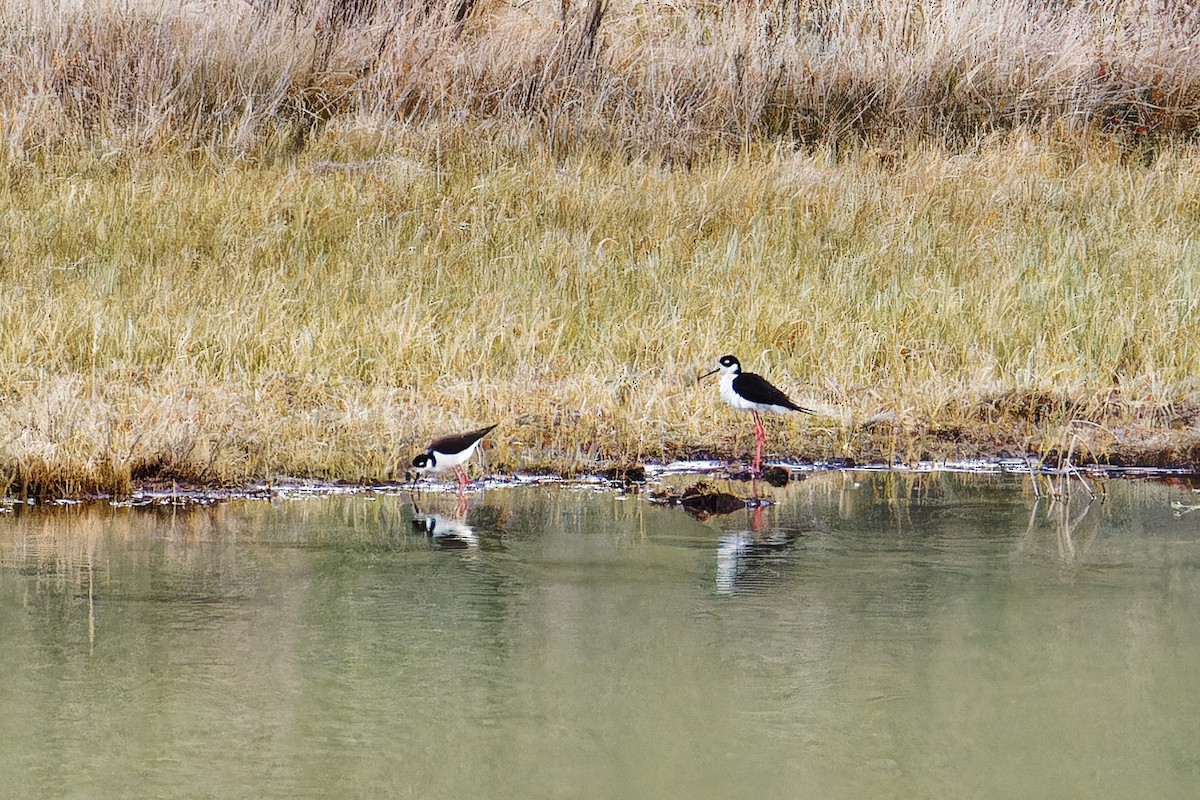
(667, 80)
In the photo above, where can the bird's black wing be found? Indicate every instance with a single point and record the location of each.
(458, 442)
(758, 389)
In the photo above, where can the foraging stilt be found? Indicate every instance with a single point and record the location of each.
(451, 452)
(745, 391)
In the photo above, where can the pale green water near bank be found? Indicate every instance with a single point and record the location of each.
(871, 635)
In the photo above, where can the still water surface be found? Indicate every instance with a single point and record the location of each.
(870, 635)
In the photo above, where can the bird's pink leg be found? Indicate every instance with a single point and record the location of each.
(463, 480)
(760, 436)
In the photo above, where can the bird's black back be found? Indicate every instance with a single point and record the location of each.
(458, 442)
(758, 389)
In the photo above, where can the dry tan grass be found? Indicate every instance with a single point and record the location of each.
(171, 318)
(663, 80)
(237, 245)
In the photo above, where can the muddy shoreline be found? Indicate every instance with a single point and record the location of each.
(648, 478)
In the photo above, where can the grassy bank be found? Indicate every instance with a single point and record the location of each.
(219, 291)
(170, 317)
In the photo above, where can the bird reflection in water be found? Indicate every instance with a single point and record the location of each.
(745, 559)
(447, 531)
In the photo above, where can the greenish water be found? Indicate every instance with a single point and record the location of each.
(870, 635)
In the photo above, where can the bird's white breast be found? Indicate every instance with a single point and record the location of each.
(735, 400)
(452, 460)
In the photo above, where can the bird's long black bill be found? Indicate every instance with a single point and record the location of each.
(705, 375)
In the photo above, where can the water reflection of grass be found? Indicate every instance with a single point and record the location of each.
(232, 316)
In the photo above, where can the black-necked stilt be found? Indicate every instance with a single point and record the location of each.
(745, 391)
(451, 452)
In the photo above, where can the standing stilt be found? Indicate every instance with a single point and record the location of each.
(745, 391)
(449, 452)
